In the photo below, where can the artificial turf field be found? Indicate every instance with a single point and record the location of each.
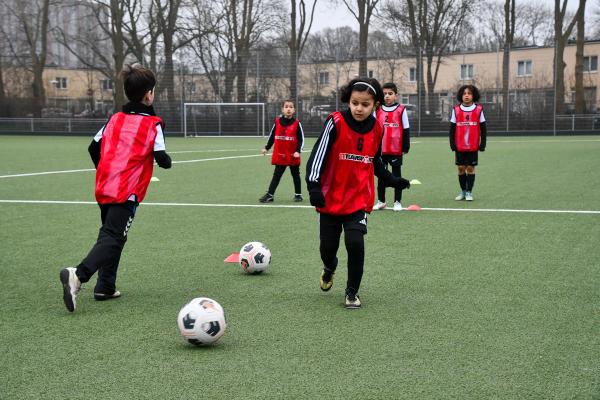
(494, 304)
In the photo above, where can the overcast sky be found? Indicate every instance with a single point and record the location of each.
(328, 14)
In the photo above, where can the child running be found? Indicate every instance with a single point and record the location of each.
(468, 133)
(340, 178)
(396, 141)
(123, 151)
(288, 137)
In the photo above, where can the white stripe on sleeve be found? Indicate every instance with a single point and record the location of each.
(315, 172)
(98, 135)
(159, 142)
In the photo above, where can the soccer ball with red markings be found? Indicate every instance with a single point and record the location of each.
(255, 257)
(201, 321)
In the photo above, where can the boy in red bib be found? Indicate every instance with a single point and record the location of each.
(468, 133)
(396, 141)
(287, 137)
(123, 151)
(340, 178)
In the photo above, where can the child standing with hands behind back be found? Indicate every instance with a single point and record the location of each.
(468, 132)
(123, 151)
(287, 137)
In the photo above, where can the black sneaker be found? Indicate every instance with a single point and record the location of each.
(71, 286)
(298, 198)
(352, 301)
(104, 296)
(267, 198)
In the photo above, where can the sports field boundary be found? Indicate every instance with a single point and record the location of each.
(160, 204)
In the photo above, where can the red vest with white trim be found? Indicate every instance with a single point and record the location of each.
(392, 130)
(126, 158)
(348, 182)
(468, 129)
(285, 144)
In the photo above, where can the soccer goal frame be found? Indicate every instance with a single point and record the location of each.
(260, 115)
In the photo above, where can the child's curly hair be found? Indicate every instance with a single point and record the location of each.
(370, 85)
(473, 90)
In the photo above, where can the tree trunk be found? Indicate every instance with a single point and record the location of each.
(241, 71)
(559, 66)
(580, 107)
(118, 53)
(363, 36)
(292, 44)
(3, 104)
(509, 30)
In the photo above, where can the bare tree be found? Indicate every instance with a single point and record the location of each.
(362, 10)
(301, 24)
(431, 28)
(332, 44)
(579, 89)
(561, 36)
(33, 25)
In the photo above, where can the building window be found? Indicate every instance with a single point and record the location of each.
(60, 82)
(107, 84)
(323, 78)
(371, 73)
(412, 74)
(466, 71)
(590, 64)
(524, 68)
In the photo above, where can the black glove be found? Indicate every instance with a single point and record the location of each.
(481, 148)
(400, 183)
(453, 148)
(317, 199)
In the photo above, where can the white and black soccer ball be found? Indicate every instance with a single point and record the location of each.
(255, 257)
(201, 321)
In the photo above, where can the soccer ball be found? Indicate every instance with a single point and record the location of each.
(201, 321)
(255, 257)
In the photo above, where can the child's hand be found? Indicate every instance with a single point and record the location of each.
(296, 154)
(317, 199)
(264, 151)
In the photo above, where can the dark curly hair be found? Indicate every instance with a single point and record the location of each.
(473, 90)
(137, 81)
(370, 85)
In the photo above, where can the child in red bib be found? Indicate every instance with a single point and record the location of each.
(340, 178)
(287, 140)
(396, 141)
(468, 133)
(123, 151)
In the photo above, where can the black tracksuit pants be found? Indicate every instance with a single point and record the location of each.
(105, 255)
(355, 228)
(278, 173)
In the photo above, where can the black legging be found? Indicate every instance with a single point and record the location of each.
(396, 171)
(355, 246)
(279, 170)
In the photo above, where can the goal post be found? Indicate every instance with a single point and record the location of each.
(223, 119)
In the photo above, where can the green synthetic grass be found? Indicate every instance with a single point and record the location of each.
(457, 305)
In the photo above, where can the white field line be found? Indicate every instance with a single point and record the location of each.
(210, 151)
(491, 210)
(92, 169)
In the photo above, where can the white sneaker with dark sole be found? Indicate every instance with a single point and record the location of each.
(71, 286)
(380, 205)
(352, 301)
(104, 296)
